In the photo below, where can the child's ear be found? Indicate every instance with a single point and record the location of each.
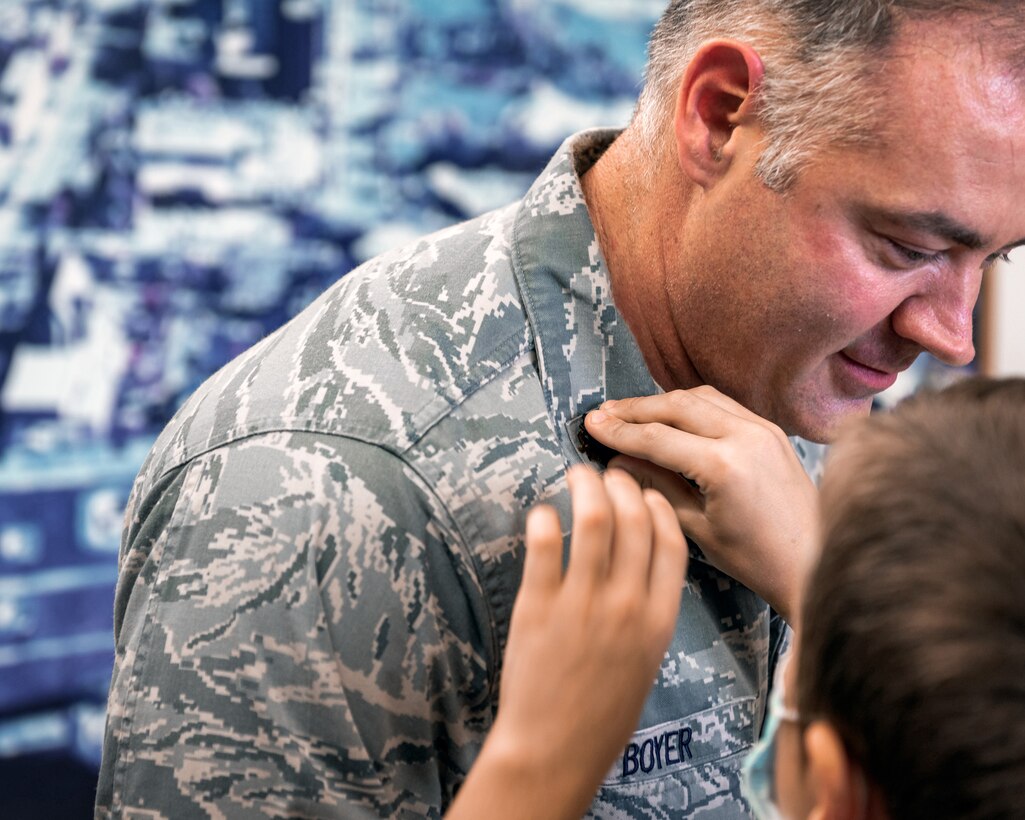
(836, 784)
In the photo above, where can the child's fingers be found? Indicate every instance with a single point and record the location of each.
(713, 396)
(674, 486)
(542, 568)
(676, 449)
(668, 559)
(631, 541)
(681, 410)
(686, 500)
(591, 541)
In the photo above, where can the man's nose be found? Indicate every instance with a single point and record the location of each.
(939, 317)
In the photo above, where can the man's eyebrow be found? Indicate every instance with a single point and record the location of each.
(938, 223)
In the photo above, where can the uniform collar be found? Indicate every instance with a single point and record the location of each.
(586, 354)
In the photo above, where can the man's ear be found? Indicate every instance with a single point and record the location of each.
(717, 94)
(835, 783)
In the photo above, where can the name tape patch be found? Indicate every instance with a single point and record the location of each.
(658, 751)
(680, 744)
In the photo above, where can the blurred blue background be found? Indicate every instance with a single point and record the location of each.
(178, 178)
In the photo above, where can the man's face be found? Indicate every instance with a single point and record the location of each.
(804, 305)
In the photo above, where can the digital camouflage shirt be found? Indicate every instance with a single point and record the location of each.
(322, 550)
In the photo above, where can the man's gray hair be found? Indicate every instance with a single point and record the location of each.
(819, 55)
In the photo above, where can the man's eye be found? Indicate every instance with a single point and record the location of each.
(911, 255)
(997, 257)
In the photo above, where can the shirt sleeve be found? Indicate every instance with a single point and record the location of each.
(299, 632)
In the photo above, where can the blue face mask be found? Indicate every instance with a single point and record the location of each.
(759, 772)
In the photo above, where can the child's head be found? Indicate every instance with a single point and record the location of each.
(913, 626)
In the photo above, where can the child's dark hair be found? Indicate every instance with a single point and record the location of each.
(913, 628)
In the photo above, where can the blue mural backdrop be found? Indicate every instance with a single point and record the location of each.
(177, 179)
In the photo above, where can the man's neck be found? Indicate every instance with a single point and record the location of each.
(631, 211)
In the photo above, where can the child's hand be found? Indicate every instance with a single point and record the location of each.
(584, 648)
(751, 507)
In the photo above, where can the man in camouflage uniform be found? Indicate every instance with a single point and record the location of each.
(322, 551)
(324, 546)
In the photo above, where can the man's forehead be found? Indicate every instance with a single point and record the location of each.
(972, 46)
(951, 65)
(953, 98)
